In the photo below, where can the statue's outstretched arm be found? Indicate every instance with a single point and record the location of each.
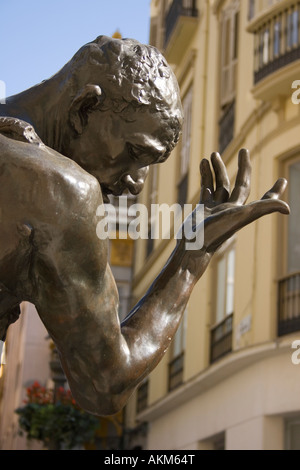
(105, 361)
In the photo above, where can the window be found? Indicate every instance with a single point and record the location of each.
(289, 285)
(292, 29)
(124, 297)
(178, 10)
(221, 333)
(142, 396)
(229, 52)
(152, 196)
(216, 442)
(293, 262)
(219, 442)
(185, 149)
(251, 9)
(265, 46)
(229, 61)
(225, 285)
(277, 37)
(153, 31)
(177, 355)
(292, 434)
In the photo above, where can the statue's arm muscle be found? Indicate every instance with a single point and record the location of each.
(77, 300)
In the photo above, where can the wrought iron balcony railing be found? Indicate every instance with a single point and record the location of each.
(226, 127)
(289, 304)
(221, 338)
(142, 397)
(182, 190)
(176, 372)
(277, 38)
(177, 9)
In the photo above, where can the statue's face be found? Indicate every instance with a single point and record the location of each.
(118, 153)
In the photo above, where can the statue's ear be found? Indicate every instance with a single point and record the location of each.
(84, 102)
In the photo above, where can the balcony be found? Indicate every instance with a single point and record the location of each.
(226, 127)
(180, 25)
(182, 190)
(221, 338)
(289, 304)
(142, 397)
(277, 49)
(176, 372)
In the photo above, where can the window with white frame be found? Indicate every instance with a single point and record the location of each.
(142, 396)
(289, 285)
(293, 28)
(293, 262)
(178, 345)
(277, 38)
(186, 132)
(229, 52)
(185, 147)
(152, 199)
(251, 9)
(177, 355)
(225, 285)
(124, 297)
(292, 434)
(221, 332)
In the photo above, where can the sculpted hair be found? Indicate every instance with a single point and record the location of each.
(132, 77)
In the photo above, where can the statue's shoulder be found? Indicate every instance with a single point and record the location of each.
(19, 130)
(21, 162)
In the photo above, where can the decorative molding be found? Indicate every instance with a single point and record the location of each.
(188, 64)
(213, 375)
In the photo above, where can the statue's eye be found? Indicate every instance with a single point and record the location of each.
(133, 152)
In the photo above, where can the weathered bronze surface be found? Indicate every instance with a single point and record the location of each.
(65, 144)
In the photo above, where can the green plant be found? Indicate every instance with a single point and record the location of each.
(57, 425)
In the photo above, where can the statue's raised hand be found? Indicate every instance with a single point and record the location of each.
(226, 212)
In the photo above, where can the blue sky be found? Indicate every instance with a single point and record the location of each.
(38, 37)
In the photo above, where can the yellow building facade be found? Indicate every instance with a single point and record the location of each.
(230, 379)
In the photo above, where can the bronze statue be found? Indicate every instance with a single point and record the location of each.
(65, 144)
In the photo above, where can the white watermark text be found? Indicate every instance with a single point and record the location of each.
(296, 94)
(166, 222)
(296, 354)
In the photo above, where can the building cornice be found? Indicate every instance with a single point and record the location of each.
(213, 375)
(217, 5)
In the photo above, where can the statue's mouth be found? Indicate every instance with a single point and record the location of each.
(126, 184)
(105, 198)
(106, 190)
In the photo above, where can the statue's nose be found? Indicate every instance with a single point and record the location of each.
(135, 181)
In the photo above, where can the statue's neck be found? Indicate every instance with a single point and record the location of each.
(38, 106)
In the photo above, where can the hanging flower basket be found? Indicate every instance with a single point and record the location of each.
(59, 425)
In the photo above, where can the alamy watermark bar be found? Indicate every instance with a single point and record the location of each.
(166, 222)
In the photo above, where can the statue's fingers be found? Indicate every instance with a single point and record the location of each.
(207, 183)
(221, 226)
(241, 190)
(277, 190)
(268, 206)
(222, 190)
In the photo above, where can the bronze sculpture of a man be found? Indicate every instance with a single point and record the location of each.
(91, 130)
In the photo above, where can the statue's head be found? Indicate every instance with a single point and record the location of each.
(124, 111)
